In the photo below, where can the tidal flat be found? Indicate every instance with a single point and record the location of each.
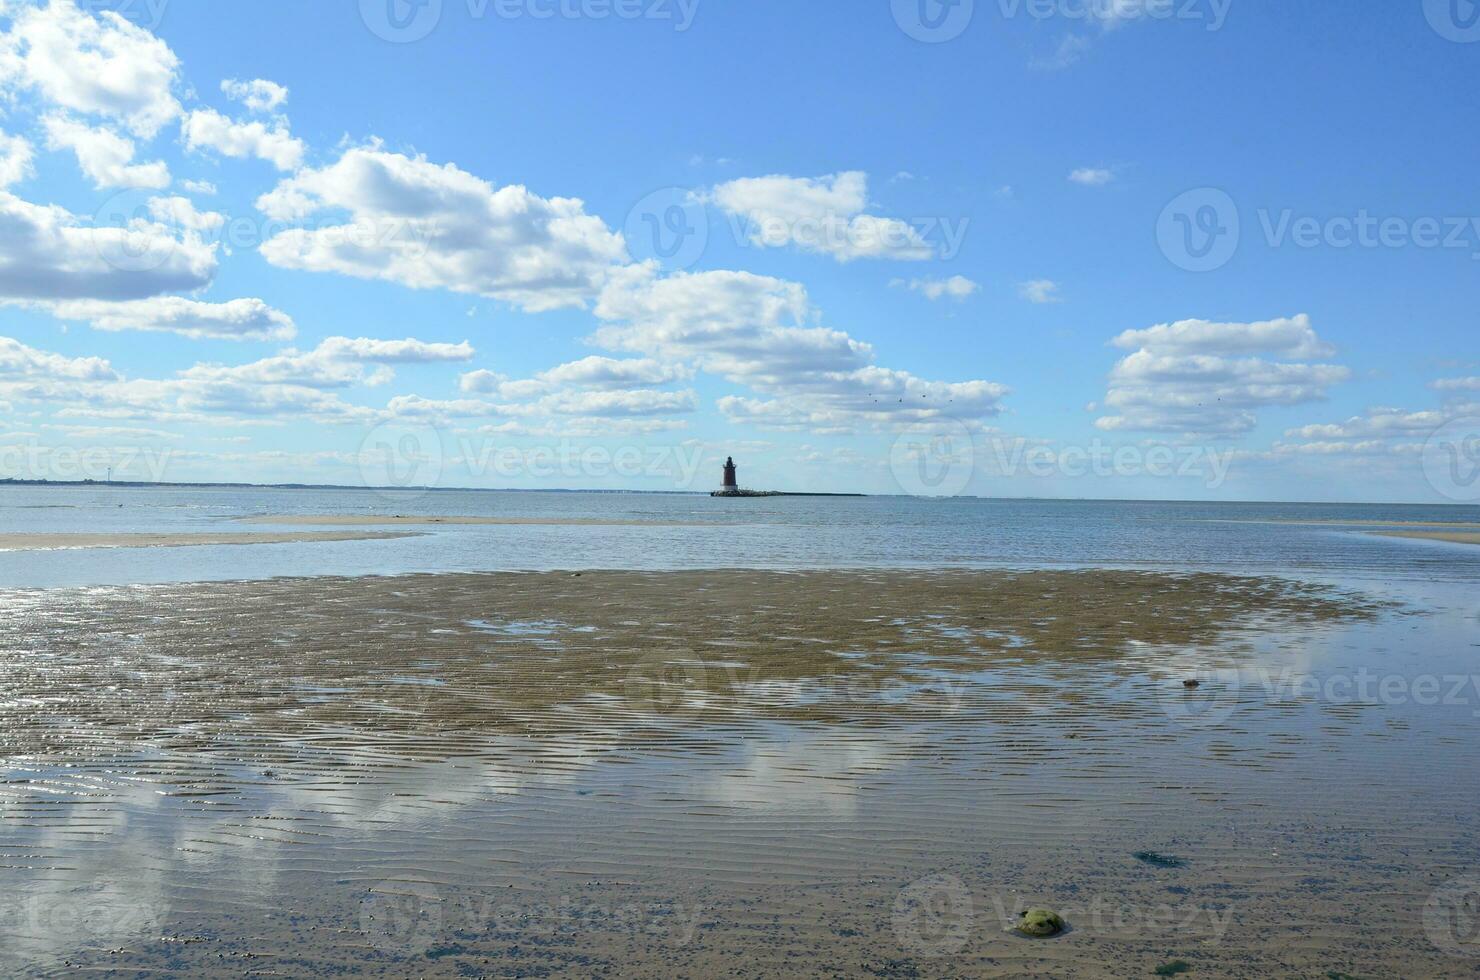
(723, 772)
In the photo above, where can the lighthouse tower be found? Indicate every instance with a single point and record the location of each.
(730, 483)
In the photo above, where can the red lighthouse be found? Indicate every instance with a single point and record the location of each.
(730, 483)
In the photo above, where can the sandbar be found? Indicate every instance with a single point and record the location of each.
(1453, 537)
(53, 542)
(422, 520)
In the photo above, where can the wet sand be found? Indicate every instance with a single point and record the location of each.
(374, 520)
(691, 774)
(50, 542)
(1453, 537)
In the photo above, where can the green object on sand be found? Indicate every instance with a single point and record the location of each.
(1173, 968)
(1040, 923)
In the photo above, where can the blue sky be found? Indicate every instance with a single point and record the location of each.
(291, 242)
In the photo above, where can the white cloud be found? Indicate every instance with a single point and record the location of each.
(957, 288)
(46, 253)
(104, 157)
(198, 186)
(338, 362)
(100, 65)
(1195, 376)
(1040, 291)
(611, 373)
(1378, 423)
(17, 361)
(408, 351)
(238, 319)
(825, 215)
(753, 330)
(1092, 176)
(181, 212)
(258, 95)
(1457, 384)
(439, 227)
(16, 155)
(1292, 337)
(292, 386)
(600, 373)
(640, 402)
(209, 129)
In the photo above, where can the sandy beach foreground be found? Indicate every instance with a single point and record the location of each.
(51, 542)
(694, 773)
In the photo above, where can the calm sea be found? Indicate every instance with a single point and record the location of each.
(777, 532)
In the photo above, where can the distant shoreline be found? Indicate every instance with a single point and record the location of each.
(145, 484)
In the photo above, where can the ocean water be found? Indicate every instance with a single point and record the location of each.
(774, 532)
(329, 778)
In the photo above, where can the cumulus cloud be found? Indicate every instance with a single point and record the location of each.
(238, 319)
(826, 215)
(209, 129)
(1091, 176)
(427, 226)
(338, 362)
(595, 372)
(97, 65)
(618, 404)
(105, 158)
(758, 331)
(17, 361)
(258, 95)
(16, 155)
(1040, 291)
(47, 253)
(182, 212)
(957, 288)
(1457, 384)
(1292, 337)
(1378, 423)
(1196, 376)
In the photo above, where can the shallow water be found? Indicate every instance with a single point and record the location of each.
(733, 772)
(773, 532)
